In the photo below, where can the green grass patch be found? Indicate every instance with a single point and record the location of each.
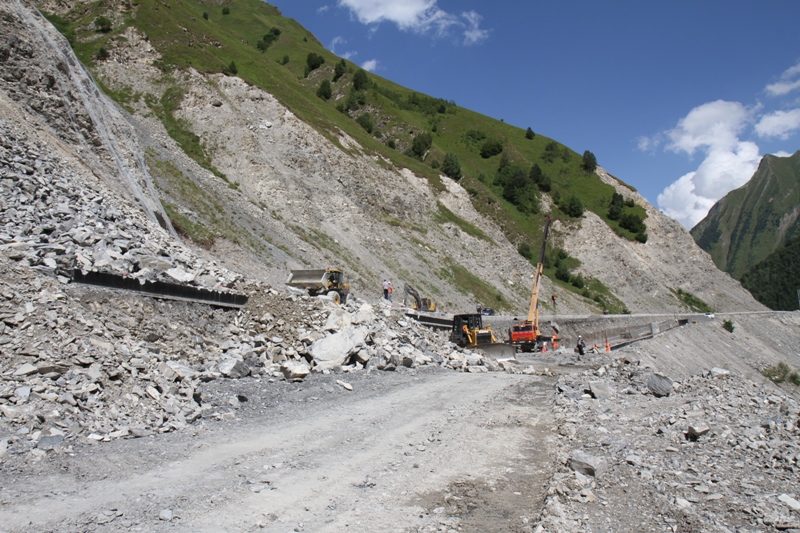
(691, 301)
(397, 223)
(445, 215)
(468, 283)
(178, 129)
(187, 228)
(781, 373)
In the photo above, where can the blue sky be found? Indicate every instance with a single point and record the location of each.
(680, 99)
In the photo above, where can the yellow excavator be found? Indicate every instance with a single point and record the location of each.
(418, 303)
(526, 334)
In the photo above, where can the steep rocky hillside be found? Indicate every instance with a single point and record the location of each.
(753, 221)
(290, 196)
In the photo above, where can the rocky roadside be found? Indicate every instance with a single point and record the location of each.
(81, 362)
(714, 452)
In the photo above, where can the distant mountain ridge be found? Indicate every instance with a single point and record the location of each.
(755, 220)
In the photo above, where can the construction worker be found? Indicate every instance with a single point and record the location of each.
(581, 345)
(389, 291)
(385, 290)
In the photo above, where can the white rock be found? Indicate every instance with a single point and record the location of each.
(334, 349)
(338, 320)
(295, 370)
(790, 502)
(180, 274)
(233, 368)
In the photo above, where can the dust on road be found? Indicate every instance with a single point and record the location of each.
(427, 451)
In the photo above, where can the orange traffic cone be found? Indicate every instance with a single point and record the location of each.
(608, 346)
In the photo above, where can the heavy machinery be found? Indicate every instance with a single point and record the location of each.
(319, 282)
(526, 334)
(419, 303)
(468, 331)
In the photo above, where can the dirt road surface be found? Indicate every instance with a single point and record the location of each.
(406, 451)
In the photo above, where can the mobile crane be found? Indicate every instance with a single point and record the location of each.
(526, 335)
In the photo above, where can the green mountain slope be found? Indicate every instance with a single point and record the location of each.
(776, 280)
(385, 118)
(751, 222)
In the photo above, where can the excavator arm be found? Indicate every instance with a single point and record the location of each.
(411, 291)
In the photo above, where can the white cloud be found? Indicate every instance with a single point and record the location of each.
(789, 81)
(681, 203)
(778, 124)
(336, 41)
(418, 16)
(718, 130)
(712, 125)
(650, 144)
(473, 34)
(714, 129)
(370, 65)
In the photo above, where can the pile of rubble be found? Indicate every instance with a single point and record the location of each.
(80, 361)
(54, 221)
(715, 452)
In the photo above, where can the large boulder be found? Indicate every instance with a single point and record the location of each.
(333, 350)
(233, 368)
(365, 315)
(338, 320)
(586, 464)
(659, 385)
(601, 390)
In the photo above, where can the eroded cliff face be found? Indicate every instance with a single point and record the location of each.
(293, 197)
(645, 276)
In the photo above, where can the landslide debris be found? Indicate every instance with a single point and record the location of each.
(718, 453)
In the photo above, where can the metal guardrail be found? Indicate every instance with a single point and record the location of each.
(160, 289)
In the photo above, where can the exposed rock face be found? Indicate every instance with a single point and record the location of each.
(644, 276)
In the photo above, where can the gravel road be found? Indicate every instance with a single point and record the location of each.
(407, 451)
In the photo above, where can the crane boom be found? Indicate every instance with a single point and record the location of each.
(533, 312)
(525, 334)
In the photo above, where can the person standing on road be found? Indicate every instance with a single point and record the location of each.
(385, 290)
(581, 345)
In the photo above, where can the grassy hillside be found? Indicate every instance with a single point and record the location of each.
(775, 281)
(753, 221)
(506, 169)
